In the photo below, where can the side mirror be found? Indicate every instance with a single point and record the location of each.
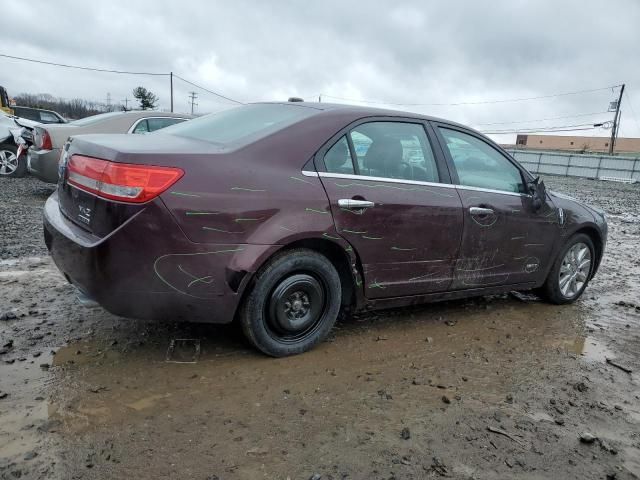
(538, 193)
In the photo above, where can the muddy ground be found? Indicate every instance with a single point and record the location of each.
(489, 388)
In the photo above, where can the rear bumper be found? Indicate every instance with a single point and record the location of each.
(43, 164)
(147, 269)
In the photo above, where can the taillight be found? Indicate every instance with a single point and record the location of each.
(44, 140)
(123, 182)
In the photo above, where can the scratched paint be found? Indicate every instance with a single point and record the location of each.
(302, 180)
(219, 230)
(208, 279)
(359, 211)
(400, 249)
(244, 189)
(193, 279)
(357, 232)
(394, 187)
(201, 213)
(313, 210)
(239, 220)
(184, 194)
(368, 237)
(326, 235)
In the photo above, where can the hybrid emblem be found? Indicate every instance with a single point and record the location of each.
(84, 214)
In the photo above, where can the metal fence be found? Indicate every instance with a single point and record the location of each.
(579, 164)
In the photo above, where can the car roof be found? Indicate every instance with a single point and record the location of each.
(361, 112)
(35, 108)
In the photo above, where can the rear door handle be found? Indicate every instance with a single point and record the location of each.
(480, 211)
(351, 204)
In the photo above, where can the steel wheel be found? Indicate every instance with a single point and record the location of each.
(295, 307)
(574, 270)
(8, 162)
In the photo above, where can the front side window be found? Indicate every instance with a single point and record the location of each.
(480, 165)
(394, 150)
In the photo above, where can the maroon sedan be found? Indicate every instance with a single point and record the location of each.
(280, 215)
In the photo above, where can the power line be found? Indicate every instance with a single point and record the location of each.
(578, 126)
(207, 90)
(506, 132)
(542, 119)
(82, 68)
(192, 100)
(482, 102)
(633, 113)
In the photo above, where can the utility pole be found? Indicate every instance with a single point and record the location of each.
(126, 104)
(192, 99)
(171, 83)
(616, 122)
(108, 101)
(320, 98)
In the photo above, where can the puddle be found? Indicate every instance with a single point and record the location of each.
(449, 349)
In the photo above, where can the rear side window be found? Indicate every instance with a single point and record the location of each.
(394, 150)
(141, 127)
(338, 158)
(158, 123)
(480, 165)
(48, 117)
(241, 125)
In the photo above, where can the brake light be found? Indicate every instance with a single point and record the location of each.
(44, 140)
(123, 182)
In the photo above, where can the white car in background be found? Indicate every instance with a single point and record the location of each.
(48, 140)
(11, 130)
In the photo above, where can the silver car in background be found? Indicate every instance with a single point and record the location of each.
(48, 140)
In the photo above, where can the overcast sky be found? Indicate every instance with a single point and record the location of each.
(395, 52)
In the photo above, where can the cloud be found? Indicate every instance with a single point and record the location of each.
(402, 52)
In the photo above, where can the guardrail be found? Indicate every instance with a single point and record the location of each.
(579, 164)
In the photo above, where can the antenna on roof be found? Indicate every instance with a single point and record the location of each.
(295, 99)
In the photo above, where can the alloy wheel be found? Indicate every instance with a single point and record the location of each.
(575, 269)
(8, 162)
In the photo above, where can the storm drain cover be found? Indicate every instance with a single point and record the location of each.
(183, 350)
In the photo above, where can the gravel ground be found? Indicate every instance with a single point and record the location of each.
(490, 388)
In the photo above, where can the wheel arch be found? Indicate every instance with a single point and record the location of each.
(345, 260)
(598, 242)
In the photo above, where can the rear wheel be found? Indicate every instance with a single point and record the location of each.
(10, 164)
(293, 304)
(571, 271)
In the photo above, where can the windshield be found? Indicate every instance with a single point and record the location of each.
(241, 125)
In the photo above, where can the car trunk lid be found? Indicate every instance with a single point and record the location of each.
(87, 207)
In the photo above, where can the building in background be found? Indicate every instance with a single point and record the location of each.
(577, 144)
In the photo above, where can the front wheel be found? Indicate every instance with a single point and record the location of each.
(571, 271)
(294, 302)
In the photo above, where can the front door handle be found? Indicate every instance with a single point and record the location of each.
(352, 204)
(480, 211)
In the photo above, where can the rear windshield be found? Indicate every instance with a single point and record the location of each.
(240, 125)
(95, 118)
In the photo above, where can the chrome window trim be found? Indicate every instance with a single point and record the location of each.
(489, 190)
(384, 179)
(410, 182)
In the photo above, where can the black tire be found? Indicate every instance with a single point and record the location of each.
(305, 281)
(551, 290)
(6, 170)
